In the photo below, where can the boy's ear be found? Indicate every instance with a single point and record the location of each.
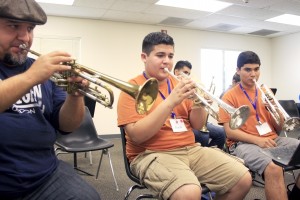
(143, 56)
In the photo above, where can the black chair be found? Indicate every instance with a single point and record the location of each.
(298, 106)
(290, 107)
(137, 182)
(84, 139)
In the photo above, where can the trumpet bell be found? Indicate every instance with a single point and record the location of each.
(146, 96)
(291, 124)
(239, 117)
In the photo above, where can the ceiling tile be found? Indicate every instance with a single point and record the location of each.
(133, 17)
(73, 11)
(94, 3)
(175, 12)
(249, 12)
(240, 18)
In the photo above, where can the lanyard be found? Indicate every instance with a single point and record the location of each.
(254, 104)
(173, 115)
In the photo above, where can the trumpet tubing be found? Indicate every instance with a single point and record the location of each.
(212, 89)
(238, 116)
(290, 123)
(144, 95)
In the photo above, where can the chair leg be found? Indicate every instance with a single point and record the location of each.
(105, 151)
(99, 164)
(76, 168)
(145, 196)
(90, 156)
(142, 196)
(210, 197)
(112, 170)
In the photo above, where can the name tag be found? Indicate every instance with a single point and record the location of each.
(263, 128)
(177, 125)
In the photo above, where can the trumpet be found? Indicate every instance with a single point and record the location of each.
(212, 89)
(276, 110)
(144, 95)
(238, 116)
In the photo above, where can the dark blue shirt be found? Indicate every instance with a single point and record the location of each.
(27, 135)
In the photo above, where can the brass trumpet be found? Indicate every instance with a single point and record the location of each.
(238, 116)
(144, 95)
(290, 123)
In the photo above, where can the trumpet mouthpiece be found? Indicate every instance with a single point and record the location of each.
(23, 47)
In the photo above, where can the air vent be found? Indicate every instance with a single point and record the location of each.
(263, 32)
(176, 21)
(223, 27)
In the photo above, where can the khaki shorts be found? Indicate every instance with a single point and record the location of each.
(163, 172)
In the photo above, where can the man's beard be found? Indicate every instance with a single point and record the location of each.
(17, 59)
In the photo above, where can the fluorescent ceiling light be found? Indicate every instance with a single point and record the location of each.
(63, 2)
(202, 5)
(286, 19)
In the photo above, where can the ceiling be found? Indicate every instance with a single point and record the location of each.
(239, 18)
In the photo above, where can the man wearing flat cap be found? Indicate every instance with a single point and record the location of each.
(32, 110)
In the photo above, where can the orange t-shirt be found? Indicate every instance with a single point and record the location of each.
(236, 98)
(165, 139)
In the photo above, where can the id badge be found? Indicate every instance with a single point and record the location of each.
(263, 128)
(177, 125)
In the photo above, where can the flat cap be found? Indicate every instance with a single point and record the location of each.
(23, 11)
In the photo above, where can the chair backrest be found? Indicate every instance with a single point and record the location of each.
(290, 107)
(126, 161)
(85, 132)
(91, 104)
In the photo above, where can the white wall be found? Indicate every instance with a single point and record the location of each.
(114, 48)
(285, 68)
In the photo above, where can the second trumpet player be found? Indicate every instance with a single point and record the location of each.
(261, 131)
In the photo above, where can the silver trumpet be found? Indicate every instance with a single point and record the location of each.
(144, 95)
(276, 110)
(211, 89)
(238, 116)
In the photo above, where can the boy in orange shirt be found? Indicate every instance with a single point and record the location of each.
(160, 144)
(259, 131)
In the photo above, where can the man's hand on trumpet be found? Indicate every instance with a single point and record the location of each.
(78, 82)
(46, 65)
(49, 64)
